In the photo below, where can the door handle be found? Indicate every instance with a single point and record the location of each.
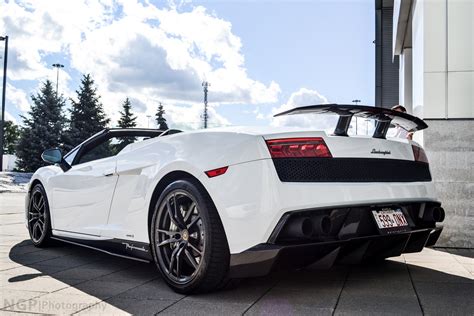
(84, 169)
(109, 172)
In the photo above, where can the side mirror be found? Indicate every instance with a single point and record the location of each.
(54, 156)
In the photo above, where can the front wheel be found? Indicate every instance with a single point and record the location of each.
(38, 217)
(188, 240)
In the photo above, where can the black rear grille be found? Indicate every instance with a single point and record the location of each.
(350, 170)
(348, 222)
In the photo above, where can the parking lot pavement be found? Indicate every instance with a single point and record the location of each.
(67, 279)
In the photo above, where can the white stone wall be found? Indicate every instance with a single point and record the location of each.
(446, 52)
(442, 64)
(406, 83)
(449, 146)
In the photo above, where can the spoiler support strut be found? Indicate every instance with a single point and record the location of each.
(343, 125)
(381, 129)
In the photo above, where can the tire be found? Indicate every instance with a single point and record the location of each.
(39, 218)
(193, 236)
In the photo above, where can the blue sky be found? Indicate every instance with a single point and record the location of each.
(260, 57)
(321, 45)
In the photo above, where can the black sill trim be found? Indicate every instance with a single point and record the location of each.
(450, 119)
(117, 247)
(351, 170)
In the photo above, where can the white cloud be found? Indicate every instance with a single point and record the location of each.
(304, 97)
(180, 117)
(18, 98)
(38, 28)
(134, 49)
(191, 117)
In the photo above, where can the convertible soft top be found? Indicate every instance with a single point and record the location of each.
(346, 111)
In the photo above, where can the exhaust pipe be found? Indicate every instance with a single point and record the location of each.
(300, 227)
(321, 225)
(434, 214)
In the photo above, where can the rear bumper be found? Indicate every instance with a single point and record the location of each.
(263, 258)
(251, 199)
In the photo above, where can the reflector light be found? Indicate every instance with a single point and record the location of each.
(298, 148)
(419, 153)
(216, 172)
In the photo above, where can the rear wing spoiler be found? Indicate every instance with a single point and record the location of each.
(383, 117)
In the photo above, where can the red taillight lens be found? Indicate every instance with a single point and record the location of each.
(216, 172)
(419, 154)
(298, 148)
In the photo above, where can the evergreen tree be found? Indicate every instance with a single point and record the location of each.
(127, 120)
(160, 120)
(87, 114)
(11, 134)
(42, 128)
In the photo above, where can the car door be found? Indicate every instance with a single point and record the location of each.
(81, 196)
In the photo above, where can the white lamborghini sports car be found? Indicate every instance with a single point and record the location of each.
(214, 205)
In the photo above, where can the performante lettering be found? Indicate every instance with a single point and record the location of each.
(132, 247)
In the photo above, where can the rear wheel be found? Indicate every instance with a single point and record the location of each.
(38, 217)
(188, 241)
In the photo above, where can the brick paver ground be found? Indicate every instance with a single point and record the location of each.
(68, 279)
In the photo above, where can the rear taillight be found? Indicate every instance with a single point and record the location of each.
(298, 148)
(419, 153)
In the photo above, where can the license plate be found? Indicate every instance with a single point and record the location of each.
(390, 219)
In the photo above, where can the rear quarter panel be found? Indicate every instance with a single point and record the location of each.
(141, 166)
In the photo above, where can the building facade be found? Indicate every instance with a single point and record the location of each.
(386, 64)
(434, 40)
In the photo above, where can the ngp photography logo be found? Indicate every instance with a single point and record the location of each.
(45, 306)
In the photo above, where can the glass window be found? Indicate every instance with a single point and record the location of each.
(108, 148)
(70, 157)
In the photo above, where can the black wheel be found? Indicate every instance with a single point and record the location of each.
(39, 220)
(188, 240)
